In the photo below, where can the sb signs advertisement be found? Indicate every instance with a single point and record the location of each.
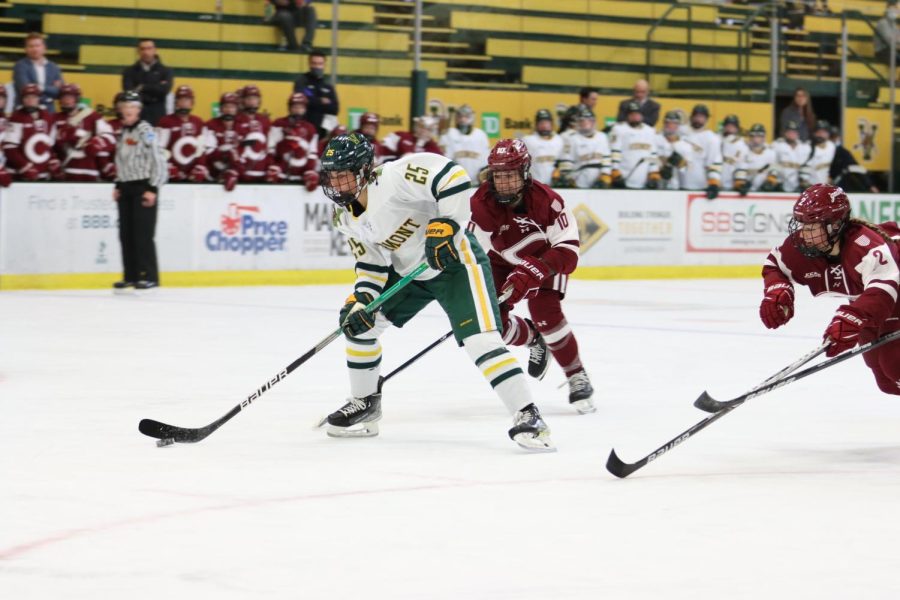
(733, 224)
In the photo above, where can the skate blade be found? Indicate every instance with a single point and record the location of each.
(585, 406)
(124, 292)
(535, 442)
(360, 430)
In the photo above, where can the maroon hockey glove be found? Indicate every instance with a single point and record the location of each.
(175, 173)
(844, 330)
(311, 180)
(200, 174)
(273, 174)
(526, 279)
(29, 173)
(109, 171)
(777, 306)
(229, 179)
(5, 177)
(54, 167)
(354, 320)
(95, 146)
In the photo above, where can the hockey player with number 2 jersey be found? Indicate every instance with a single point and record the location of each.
(532, 242)
(400, 215)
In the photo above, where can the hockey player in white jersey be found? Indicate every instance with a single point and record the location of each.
(399, 215)
(545, 147)
(819, 164)
(734, 148)
(465, 144)
(672, 150)
(704, 163)
(756, 171)
(586, 161)
(633, 147)
(791, 154)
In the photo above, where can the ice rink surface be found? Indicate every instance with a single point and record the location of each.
(794, 495)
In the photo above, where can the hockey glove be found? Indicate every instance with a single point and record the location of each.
(311, 181)
(229, 179)
(5, 178)
(604, 182)
(273, 174)
(676, 160)
(712, 189)
(29, 172)
(742, 186)
(844, 330)
(439, 249)
(175, 173)
(770, 184)
(54, 167)
(354, 320)
(200, 174)
(653, 181)
(109, 171)
(96, 145)
(777, 306)
(526, 279)
(618, 181)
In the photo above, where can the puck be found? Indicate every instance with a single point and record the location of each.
(164, 442)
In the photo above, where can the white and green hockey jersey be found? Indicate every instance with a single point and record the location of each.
(405, 195)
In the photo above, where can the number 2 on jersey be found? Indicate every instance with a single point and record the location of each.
(416, 174)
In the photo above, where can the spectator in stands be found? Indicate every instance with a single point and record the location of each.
(36, 69)
(587, 98)
(800, 111)
(290, 14)
(151, 79)
(641, 95)
(322, 96)
(885, 29)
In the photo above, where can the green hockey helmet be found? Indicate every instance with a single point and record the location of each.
(347, 167)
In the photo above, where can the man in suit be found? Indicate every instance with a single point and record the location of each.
(151, 79)
(36, 69)
(641, 95)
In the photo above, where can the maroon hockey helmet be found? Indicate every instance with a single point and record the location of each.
(509, 155)
(70, 89)
(824, 204)
(250, 90)
(30, 89)
(297, 98)
(229, 98)
(369, 118)
(184, 91)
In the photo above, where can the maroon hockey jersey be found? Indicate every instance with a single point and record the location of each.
(84, 143)
(542, 226)
(182, 138)
(293, 145)
(401, 143)
(29, 144)
(223, 145)
(255, 155)
(866, 272)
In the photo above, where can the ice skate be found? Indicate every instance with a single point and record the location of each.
(530, 432)
(538, 356)
(123, 287)
(581, 393)
(143, 286)
(358, 418)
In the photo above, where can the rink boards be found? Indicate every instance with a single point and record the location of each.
(58, 235)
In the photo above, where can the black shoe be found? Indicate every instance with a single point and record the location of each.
(538, 355)
(306, 47)
(581, 393)
(145, 285)
(122, 287)
(530, 431)
(365, 412)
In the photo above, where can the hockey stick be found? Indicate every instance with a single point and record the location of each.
(711, 405)
(621, 469)
(162, 431)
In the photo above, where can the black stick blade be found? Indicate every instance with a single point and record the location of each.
(708, 404)
(618, 468)
(161, 431)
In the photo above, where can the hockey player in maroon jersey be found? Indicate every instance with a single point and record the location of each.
(84, 140)
(421, 139)
(293, 146)
(532, 241)
(836, 255)
(338, 130)
(108, 163)
(30, 140)
(222, 161)
(5, 175)
(255, 155)
(368, 126)
(181, 136)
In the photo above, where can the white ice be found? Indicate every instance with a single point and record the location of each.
(794, 495)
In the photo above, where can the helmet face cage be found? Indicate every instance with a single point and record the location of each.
(818, 241)
(344, 187)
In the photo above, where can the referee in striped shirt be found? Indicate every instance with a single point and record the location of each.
(141, 171)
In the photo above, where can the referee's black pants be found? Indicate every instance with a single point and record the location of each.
(137, 226)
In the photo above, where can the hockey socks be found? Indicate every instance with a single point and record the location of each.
(500, 369)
